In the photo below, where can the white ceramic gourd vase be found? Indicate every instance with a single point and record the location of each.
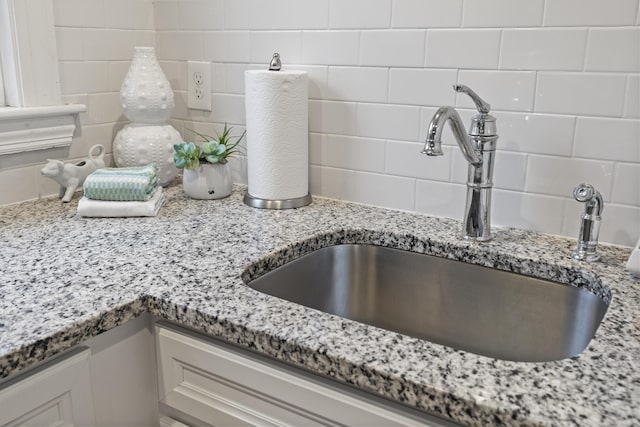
(207, 181)
(147, 101)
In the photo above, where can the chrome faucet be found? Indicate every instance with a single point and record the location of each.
(589, 223)
(478, 147)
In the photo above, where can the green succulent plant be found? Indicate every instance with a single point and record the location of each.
(214, 150)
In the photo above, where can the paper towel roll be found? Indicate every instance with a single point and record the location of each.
(277, 134)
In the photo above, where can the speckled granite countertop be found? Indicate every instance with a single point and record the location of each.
(64, 279)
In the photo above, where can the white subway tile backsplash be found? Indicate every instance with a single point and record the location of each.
(201, 15)
(589, 12)
(607, 139)
(528, 211)
(543, 48)
(127, 14)
(504, 90)
(422, 86)
(363, 154)
(462, 48)
(406, 159)
(227, 46)
(165, 15)
(632, 97)
(359, 14)
(535, 133)
(175, 71)
(363, 187)
(318, 149)
(70, 43)
(219, 78)
(364, 84)
(440, 199)
(17, 185)
(234, 77)
(317, 76)
(228, 108)
(596, 94)
(108, 45)
(84, 77)
(502, 13)
(333, 117)
(79, 13)
(104, 108)
(287, 43)
(558, 176)
(508, 173)
(300, 14)
(613, 49)
(626, 184)
(388, 121)
(248, 15)
(180, 45)
(330, 47)
(426, 13)
(398, 48)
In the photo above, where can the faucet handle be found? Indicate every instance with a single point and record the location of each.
(481, 105)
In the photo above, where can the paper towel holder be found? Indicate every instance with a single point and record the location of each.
(256, 202)
(275, 64)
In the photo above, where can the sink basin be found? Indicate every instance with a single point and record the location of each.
(468, 307)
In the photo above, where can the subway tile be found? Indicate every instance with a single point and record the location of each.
(508, 172)
(363, 154)
(287, 43)
(333, 117)
(104, 108)
(317, 149)
(397, 48)
(502, 13)
(388, 121)
(228, 108)
(165, 15)
(426, 13)
(535, 133)
(589, 12)
(363, 187)
(406, 159)
(70, 43)
(90, 135)
(620, 224)
(330, 47)
(79, 13)
(504, 90)
(249, 15)
(364, 84)
(607, 139)
(17, 185)
(422, 86)
(543, 49)
(235, 77)
(440, 199)
(145, 38)
(201, 15)
(127, 14)
(626, 184)
(227, 46)
(632, 97)
(180, 45)
(84, 77)
(463, 48)
(300, 14)
(173, 71)
(117, 71)
(613, 49)
(527, 211)
(558, 175)
(596, 94)
(349, 14)
(45, 187)
(108, 45)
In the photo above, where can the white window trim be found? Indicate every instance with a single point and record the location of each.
(34, 117)
(2, 103)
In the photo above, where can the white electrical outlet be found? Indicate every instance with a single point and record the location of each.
(199, 85)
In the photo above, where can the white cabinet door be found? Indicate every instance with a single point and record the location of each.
(55, 395)
(222, 387)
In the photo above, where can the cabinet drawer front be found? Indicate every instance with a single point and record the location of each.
(59, 395)
(221, 386)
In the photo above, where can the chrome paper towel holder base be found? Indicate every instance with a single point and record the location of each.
(256, 202)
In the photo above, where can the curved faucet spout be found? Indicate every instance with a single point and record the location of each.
(433, 142)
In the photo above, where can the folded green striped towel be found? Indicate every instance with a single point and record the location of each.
(136, 183)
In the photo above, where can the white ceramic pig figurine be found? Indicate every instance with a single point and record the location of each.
(71, 176)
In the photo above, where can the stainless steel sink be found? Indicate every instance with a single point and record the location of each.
(468, 307)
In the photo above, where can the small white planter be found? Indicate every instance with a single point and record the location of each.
(207, 181)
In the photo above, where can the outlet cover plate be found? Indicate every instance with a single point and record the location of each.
(199, 85)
